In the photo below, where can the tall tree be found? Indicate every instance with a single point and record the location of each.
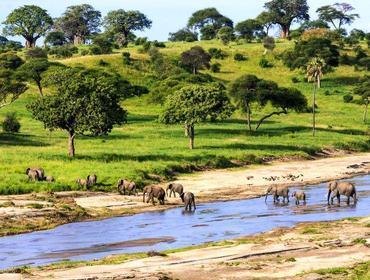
(250, 29)
(196, 58)
(194, 104)
(315, 70)
(285, 12)
(30, 21)
(338, 14)
(86, 102)
(209, 21)
(79, 22)
(363, 90)
(121, 23)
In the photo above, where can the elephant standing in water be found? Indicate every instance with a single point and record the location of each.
(336, 189)
(154, 192)
(174, 188)
(189, 200)
(299, 196)
(277, 191)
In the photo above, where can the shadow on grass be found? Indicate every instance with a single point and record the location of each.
(19, 140)
(339, 81)
(133, 118)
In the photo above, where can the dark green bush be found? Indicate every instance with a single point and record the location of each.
(36, 53)
(64, 51)
(84, 52)
(217, 53)
(11, 123)
(264, 63)
(216, 67)
(347, 98)
(239, 57)
(95, 50)
(103, 63)
(126, 56)
(295, 80)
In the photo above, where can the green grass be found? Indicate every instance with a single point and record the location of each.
(143, 147)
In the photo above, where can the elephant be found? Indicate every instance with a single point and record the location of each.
(299, 196)
(154, 192)
(40, 173)
(174, 188)
(49, 179)
(189, 200)
(336, 189)
(91, 180)
(277, 191)
(124, 185)
(81, 182)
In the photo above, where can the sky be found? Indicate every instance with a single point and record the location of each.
(171, 15)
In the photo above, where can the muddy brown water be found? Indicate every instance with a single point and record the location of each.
(175, 228)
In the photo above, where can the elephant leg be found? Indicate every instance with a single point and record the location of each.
(288, 198)
(338, 197)
(347, 200)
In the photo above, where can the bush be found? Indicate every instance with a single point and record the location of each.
(95, 50)
(103, 43)
(264, 63)
(217, 53)
(11, 123)
(141, 41)
(103, 63)
(64, 51)
(84, 52)
(36, 53)
(158, 44)
(216, 67)
(347, 98)
(239, 57)
(295, 80)
(126, 56)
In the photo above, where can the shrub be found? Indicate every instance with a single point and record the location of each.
(103, 63)
(36, 53)
(158, 44)
(264, 63)
(84, 52)
(95, 50)
(63, 51)
(140, 41)
(347, 98)
(103, 43)
(239, 57)
(126, 56)
(11, 123)
(216, 67)
(217, 53)
(295, 80)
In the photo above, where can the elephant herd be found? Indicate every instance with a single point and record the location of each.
(335, 190)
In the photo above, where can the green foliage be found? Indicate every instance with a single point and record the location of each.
(215, 67)
(226, 34)
(29, 21)
(36, 53)
(10, 87)
(126, 58)
(240, 57)
(183, 35)
(339, 12)
(217, 53)
(11, 124)
(269, 43)
(10, 61)
(264, 63)
(101, 45)
(121, 23)
(102, 63)
(196, 58)
(249, 30)
(347, 98)
(64, 51)
(55, 38)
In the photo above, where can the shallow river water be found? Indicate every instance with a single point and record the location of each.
(174, 228)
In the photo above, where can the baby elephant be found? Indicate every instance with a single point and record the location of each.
(174, 188)
(125, 185)
(299, 196)
(277, 191)
(49, 179)
(189, 200)
(81, 182)
(154, 192)
(91, 180)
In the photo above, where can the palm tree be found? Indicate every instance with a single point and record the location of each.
(314, 73)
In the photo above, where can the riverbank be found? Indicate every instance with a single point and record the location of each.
(325, 250)
(25, 213)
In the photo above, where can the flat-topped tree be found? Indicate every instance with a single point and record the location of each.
(30, 21)
(337, 14)
(85, 102)
(285, 12)
(195, 104)
(121, 24)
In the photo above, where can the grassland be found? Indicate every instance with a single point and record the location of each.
(143, 147)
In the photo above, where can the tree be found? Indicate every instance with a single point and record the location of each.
(79, 22)
(249, 29)
(183, 35)
(269, 44)
(266, 20)
(3, 41)
(194, 104)
(10, 61)
(196, 58)
(209, 21)
(121, 23)
(363, 90)
(32, 70)
(226, 34)
(337, 14)
(314, 73)
(30, 21)
(285, 12)
(55, 38)
(84, 102)
(36, 53)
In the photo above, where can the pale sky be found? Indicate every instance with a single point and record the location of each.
(171, 15)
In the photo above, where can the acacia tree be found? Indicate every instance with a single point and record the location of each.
(32, 70)
(337, 14)
(86, 102)
(249, 29)
(30, 21)
(226, 34)
(121, 23)
(266, 20)
(10, 88)
(363, 90)
(315, 70)
(195, 104)
(196, 58)
(183, 35)
(79, 22)
(285, 12)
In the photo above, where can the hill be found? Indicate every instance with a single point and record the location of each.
(145, 151)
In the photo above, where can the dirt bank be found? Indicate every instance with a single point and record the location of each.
(23, 213)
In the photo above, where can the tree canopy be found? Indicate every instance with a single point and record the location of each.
(337, 14)
(55, 38)
(196, 58)
(121, 23)
(183, 35)
(226, 34)
(79, 22)
(250, 29)
(285, 12)
(30, 21)
(195, 104)
(85, 102)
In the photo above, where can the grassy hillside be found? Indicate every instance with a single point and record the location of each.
(144, 148)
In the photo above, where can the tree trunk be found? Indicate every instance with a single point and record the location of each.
(365, 113)
(191, 137)
(186, 130)
(284, 32)
(78, 40)
(71, 143)
(269, 116)
(30, 43)
(314, 110)
(249, 118)
(195, 70)
(318, 82)
(40, 88)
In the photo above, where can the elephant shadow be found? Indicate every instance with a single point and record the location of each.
(187, 212)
